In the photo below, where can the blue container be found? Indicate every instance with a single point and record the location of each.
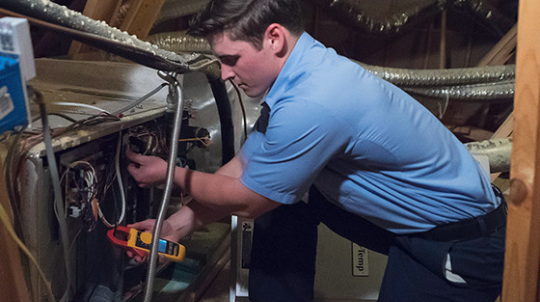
(13, 106)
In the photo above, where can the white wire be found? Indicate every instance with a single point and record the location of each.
(120, 185)
(80, 105)
(119, 177)
(90, 177)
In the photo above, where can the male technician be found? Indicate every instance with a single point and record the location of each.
(379, 168)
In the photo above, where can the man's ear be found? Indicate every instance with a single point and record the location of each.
(276, 38)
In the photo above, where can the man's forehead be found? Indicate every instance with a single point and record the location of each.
(223, 45)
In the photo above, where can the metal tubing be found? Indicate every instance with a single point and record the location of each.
(176, 97)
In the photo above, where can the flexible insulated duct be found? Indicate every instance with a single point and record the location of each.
(398, 16)
(443, 77)
(99, 34)
(477, 83)
(497, 150)
(174, 9)
(180, 42)
(491, 16)
(485, 91)
(353, 14)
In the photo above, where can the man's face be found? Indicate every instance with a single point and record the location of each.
(251, 69)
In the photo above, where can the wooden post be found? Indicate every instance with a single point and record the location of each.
(522, 261)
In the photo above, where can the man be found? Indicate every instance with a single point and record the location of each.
(380, 169)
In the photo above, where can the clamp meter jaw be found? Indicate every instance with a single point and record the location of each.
(140, 243)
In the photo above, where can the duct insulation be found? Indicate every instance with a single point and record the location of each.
(389, 17)
(476, 83)
(99, 34)
(497, 150)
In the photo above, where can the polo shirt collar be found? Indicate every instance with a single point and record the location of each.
(282, 81)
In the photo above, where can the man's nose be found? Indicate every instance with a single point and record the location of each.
(226, 72)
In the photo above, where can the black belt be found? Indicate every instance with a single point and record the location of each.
(470, 228)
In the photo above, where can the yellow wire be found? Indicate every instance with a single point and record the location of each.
(7, 223)
(200, 139)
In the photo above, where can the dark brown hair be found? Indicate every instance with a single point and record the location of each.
(247, 20)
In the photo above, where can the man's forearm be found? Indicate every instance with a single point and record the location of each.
(192, 217)
(222, 193)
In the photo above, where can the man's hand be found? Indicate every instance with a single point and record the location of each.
(148, 171)
(147, 225)
(167, 233)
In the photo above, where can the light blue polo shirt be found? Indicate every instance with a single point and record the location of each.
(365, 144)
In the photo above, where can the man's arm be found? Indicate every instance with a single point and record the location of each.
(223, 192)
(215, 196)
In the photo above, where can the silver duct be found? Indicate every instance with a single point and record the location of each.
(476, 92)
(473, 84)
(443, 77)
(99, 34)
(478, 83)
(483, 10)
(497, 150)
(353, 14)
(174, 9)
(180, 42)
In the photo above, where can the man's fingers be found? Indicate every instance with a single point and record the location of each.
(135, 158)
(145, 225)
(132, 168)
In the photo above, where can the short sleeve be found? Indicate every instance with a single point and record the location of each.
(298, 142)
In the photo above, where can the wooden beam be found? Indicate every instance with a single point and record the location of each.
(506, 129)
(522, 261)
(442, 44)
(502, 51)
(101, 10)
(141, 17)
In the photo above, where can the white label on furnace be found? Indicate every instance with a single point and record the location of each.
(360, 265)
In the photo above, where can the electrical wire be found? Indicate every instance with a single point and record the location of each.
(13, 194)
(4, 136)
(203, 140)
(94, 120)
(119, 179)
(59, 210)
(244, 115)
(85, 193)
(139, 101)
(82, 105)
(4, 217)
(64, 116)
(15, 230)
(120, 185)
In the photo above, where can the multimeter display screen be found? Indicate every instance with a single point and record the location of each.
(162, 246)
(165, 247)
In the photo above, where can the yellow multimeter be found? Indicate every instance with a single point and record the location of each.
(141, 243)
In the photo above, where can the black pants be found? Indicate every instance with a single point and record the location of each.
(284, 248)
